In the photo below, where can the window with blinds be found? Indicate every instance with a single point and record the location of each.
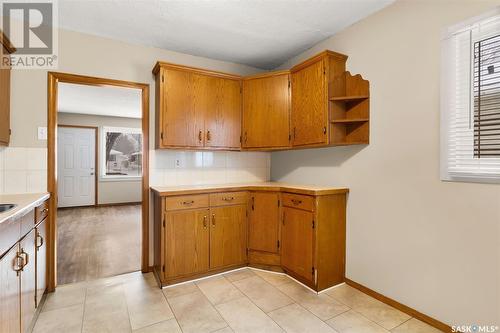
(487, 97)
(470, 100)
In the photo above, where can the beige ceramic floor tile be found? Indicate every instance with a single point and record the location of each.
(64, 320)
(349, 296)
(264, 295)
(180, 289)
(415, 326)
(353, 322)
(321, 305)
(66, 295)
(273, 278)
(381, 313)
(294, 319)
(219, 290)
(146, 305)
(239, 274)
(168, 326)
(195, 313)
(106, 322)
(225, 330)
(243, 316)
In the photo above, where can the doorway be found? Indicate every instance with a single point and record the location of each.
(75, 180)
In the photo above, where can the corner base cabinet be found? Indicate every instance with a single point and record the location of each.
(299, 231)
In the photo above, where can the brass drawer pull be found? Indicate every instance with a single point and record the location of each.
(228, 198)
(200, 136)
(188, 203)
(296, 202)
(38, 236)
(18, 263)
(209, 136)
(213, 220)
(45, 211)
(25, 257)
(204, 222)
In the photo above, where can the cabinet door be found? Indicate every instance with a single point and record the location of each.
(10, 292)
(187, 237)
(264, 222)
(41, 260)
(228, 236)
(223, 117)
(266, 112)
(4, 106)
(28, 281)
(181, 125)
(297, 242)
(309, 105)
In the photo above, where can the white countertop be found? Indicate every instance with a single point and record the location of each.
(24, 202)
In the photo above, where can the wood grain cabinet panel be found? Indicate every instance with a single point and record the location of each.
(28, 281)
(10, 307)
(309, 105)
(297, 238)
(266, 111)
(228, 236)
(223, 117)
(4, 105)
(41, 260)
(264, 216)
(186, 242)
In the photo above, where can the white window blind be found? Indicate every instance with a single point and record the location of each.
(470, 101)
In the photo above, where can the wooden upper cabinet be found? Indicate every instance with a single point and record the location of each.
(266, 111)
(223, 117)
(5, 49)
(313, 83)
(196, 108)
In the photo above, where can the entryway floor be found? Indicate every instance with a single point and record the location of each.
(96, 242)
(240, 301)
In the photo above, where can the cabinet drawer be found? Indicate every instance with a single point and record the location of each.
(41, 211)
(304, 202)
(186, 202)
(228, 198)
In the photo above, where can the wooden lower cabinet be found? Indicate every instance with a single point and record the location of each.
(228, 234)
(28, 281)
(187, 242)
(10, 309)
(41, 260)
(264, 217)
(297, 239)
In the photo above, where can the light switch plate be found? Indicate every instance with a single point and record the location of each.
(42, 133)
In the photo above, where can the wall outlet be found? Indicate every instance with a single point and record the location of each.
(42, 133)
(177, 163)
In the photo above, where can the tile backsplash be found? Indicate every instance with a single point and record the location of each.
(24, 170)
(172, 168)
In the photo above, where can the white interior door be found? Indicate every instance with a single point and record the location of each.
(76, 166)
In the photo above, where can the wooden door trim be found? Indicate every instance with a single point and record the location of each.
(96, 130)
(53, 78)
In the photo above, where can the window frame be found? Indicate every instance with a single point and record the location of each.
(102, 164)
(448, 89)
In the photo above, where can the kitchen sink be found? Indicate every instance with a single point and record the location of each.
(6, 207)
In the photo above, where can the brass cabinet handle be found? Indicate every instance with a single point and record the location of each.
(228, 198)
(205, 222)
(296, 202)
(45, 211)
(25, 257)
(213, 220)
(200, 136)
(209, 136)
(18, 263)
(188, 203)
(324, 130)
(38, 236)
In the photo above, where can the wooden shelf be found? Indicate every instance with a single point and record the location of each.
(356, 120)
(349, 98)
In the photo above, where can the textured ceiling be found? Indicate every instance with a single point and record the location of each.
(262, 34)
(102, 101)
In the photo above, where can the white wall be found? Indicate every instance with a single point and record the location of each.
(432, 245)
